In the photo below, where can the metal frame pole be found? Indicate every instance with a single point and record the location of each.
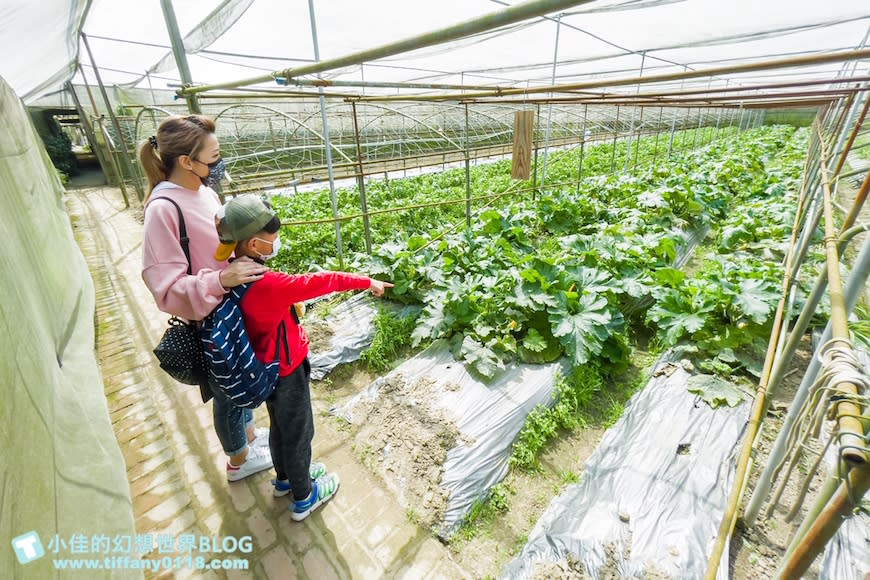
(633, 111)
(637, 141)
(658, 128)
(326, 140)
(535, 139)
(582, 147)
(467, 174)
(92, 137)
(550, 105)
(361, 182)
(125, 155)
(673, 127)
(613, 147)
(180, 55)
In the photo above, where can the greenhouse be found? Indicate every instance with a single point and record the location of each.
(626, 328)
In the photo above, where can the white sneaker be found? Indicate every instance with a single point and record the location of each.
(258, 459)
(261, 437)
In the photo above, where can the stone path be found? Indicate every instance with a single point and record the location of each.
(175, 464)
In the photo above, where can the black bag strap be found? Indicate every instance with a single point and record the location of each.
(182, 233)
(282, 338)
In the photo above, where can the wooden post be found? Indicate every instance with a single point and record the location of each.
(524, 127)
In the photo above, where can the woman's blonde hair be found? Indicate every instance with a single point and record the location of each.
(176, 136)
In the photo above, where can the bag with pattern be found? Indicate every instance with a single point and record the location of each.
(180, 351)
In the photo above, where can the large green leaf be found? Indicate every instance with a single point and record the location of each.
(755, 300)
(715, 391)
(479, 357)
(583, 333)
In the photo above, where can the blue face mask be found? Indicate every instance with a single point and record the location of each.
(216, 170)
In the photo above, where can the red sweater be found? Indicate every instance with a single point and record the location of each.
(268, 301)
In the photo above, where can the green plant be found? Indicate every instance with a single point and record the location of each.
(859, 326)
(572, 396)
(392, 334)
(59, 148)
(567, 476)
(484, 511)
(614, 412)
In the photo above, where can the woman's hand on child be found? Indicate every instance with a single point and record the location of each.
(378, 287)
(241, 271)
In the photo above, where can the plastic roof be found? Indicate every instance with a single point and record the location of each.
(248, 38)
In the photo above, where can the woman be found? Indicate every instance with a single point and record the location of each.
(181, 162)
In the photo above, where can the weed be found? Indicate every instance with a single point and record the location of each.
(614, 412)
(568, 476)
(392, 334)
(483, 512)
(519, 544)
(413, 516)
(572, 396)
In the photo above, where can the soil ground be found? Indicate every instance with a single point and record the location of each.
(756, 552)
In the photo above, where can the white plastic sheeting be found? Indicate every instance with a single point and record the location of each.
(62, 473)
(43, 37)
(847, 555)
(352, 329)
(651, 496)
(603, 38)
(489, 416)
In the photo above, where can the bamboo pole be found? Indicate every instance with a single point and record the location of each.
(848, 146)
(729, 516)
(841, 505)
(851, 430)
(764, 481)
(789, 62)
(518, 13)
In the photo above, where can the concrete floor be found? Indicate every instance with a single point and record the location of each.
(175, 464)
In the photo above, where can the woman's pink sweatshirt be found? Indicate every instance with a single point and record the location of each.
(164, 267)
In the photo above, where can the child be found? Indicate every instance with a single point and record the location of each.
(247, 226)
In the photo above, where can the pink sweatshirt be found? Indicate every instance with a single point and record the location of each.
(164, 267)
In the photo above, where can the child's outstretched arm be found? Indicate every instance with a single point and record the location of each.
(377, 287)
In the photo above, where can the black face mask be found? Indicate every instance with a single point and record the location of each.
(216, 170)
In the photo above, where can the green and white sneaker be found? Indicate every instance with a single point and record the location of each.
(282, 486)
(322, 490)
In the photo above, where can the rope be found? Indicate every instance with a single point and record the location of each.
(839, 365)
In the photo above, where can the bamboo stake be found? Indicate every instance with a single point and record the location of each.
(729, 516)
(851, 430)
(790, 62)
(852, 135)
(849, 492)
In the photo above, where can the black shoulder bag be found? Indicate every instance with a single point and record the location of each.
(180, 351)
